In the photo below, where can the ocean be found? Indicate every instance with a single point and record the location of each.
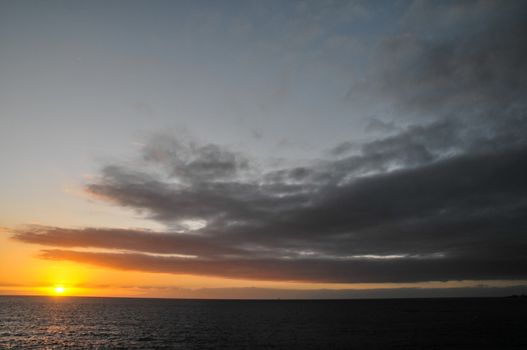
(123, 323)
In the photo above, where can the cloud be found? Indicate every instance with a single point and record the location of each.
(462, 60)
(121, 239)
(377, 125)
(458, 216)
(443, 196)
(189, 161)
(308, 270)
(268, 293)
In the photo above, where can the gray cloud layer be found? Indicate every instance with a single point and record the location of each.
(442, 197)
(263, 293)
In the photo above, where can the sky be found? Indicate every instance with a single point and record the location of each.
(263, 149)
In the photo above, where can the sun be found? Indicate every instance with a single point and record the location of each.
(59, 290)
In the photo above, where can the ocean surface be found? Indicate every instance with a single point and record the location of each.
(119, 323)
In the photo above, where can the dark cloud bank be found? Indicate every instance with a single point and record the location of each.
(268, 293)
(440, 198)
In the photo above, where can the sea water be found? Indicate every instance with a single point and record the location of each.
(121, 323)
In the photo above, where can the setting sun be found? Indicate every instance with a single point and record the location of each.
(59, 289)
